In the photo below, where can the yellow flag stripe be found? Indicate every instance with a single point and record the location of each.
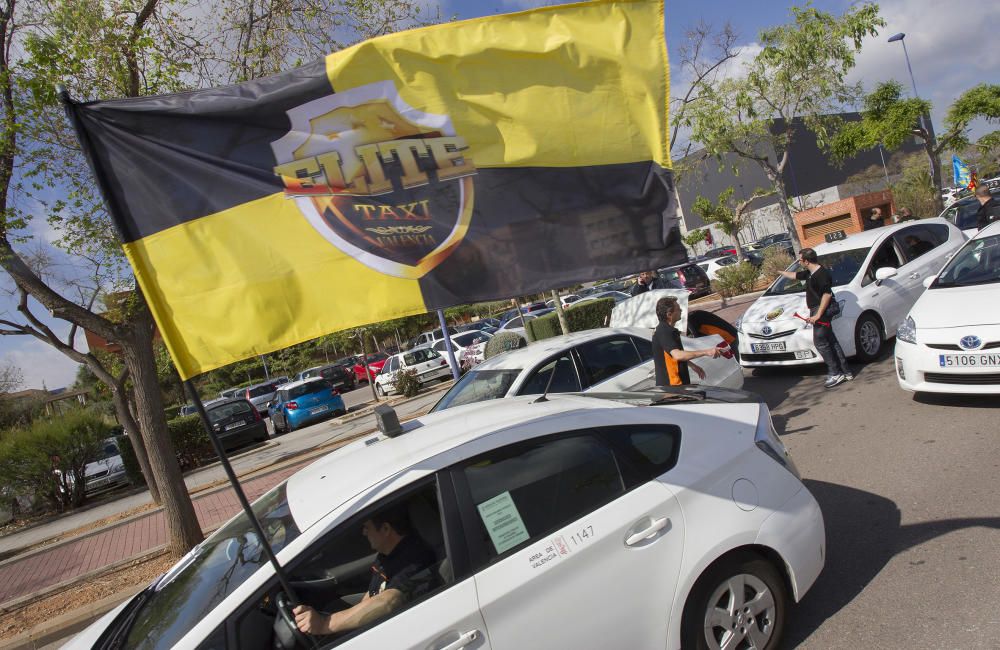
(570, 85)
(257, 266)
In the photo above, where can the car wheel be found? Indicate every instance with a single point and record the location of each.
(868, 340)
(740, 602)
(379, 390)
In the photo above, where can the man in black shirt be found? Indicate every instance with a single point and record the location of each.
(670, 359)
(648, 280)
(402, 572)
(819, 293)
(989, 207)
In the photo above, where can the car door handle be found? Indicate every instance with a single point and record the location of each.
(656, 526)
(462, 641)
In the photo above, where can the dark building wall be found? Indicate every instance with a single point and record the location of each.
(809, 170)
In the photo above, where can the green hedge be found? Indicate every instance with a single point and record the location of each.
(503, 342)
(586, 316)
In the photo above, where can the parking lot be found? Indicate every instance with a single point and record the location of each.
(913, 527)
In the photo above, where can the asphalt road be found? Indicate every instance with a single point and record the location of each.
(908, 489)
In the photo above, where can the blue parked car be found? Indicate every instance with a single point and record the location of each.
(304, 402)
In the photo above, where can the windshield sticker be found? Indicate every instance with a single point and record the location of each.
(503, 522)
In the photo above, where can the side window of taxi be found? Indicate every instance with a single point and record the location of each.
(526, 490)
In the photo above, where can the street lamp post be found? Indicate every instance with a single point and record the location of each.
(925, 119)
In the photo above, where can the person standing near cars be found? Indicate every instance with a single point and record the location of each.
(670, 359)
(648, 280)
(989, 207)
(819, 294)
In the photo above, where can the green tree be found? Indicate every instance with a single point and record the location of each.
(694, 237)
(729, 215)
(800, 74)
(891, 119)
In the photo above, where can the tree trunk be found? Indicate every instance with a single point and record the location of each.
(786, 212)
(183, 529)
(936, 178)
(563, 323)
(120, 399)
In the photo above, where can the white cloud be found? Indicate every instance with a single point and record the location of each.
(951, 48)
(41, 364)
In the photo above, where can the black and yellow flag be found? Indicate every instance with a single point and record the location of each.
(456, 163)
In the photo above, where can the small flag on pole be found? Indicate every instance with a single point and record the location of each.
(964, 177)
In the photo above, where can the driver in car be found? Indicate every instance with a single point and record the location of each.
(402, 572)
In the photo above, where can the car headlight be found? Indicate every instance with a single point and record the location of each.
(739, 323)
(907, 332)
(117, 467)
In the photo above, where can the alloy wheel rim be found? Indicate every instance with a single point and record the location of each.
(870, 338)
(740, 614)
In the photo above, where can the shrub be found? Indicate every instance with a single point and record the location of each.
(191, 442)
(586, 316)
(736, 279)
(407, 382)
(503, 342)
(48, 459)
(775, 260)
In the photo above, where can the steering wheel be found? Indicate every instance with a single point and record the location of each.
(292, 636)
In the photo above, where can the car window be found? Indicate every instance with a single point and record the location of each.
(470, 338)
(978, 262)
(374, 358)
(228, 410)
(262, 390)
(919, 240)
(420, 356)
(186, 594)
(478, 386)
(607, 357)
(524, 491)
(340, 568)
(392, 365)
(843, 266)
(886, 256)
(644, 347)
(963, 213)
(439, 346)
(654, 449)
(307, 388)
(565, 379)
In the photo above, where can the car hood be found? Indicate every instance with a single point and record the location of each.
(99, 466)
(958, 306)
(775, 309)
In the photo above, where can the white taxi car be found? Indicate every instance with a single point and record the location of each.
(425, 362)
(643, 521)
(950, 341)
(604, 359)
(877, 276)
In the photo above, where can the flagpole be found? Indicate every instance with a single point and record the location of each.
(447, 344)
(238, 489)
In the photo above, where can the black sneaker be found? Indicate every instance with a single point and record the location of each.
(834, 380)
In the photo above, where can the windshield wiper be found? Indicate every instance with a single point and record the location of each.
(117, 635)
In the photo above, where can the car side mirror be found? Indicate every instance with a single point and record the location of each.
(928, 281)
(885, 273)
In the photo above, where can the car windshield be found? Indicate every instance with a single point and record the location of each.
(478, 386)
(373, 358)
(977, 263)
(843, 267)
(265, 389)
(186, 594)
(109, 450)
(224, 411)
(306, 389)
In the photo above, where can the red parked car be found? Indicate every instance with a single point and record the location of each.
(375, 362)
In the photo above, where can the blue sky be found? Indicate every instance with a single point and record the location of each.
(951, 48)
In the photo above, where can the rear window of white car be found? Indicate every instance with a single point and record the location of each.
(478, 386)
(419, 356)
(228, 410)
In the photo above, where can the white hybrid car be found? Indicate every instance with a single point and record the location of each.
(950, 341)
(877, 276)
(641, 521)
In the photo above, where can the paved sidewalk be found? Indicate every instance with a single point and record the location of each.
(136, 537)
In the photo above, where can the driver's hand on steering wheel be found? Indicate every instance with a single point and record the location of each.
(309, 620)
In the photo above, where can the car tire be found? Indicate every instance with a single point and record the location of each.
(379, 390)
(868, 338)
(760, 610)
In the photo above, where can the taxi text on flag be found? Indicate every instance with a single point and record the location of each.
(450, 164)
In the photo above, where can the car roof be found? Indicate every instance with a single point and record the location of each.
(869, 238)
(989, 230)
(300, 382)
(354, 468)
(534, 352)
(224, 401)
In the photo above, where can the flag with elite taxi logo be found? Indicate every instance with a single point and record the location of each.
(451, 164)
